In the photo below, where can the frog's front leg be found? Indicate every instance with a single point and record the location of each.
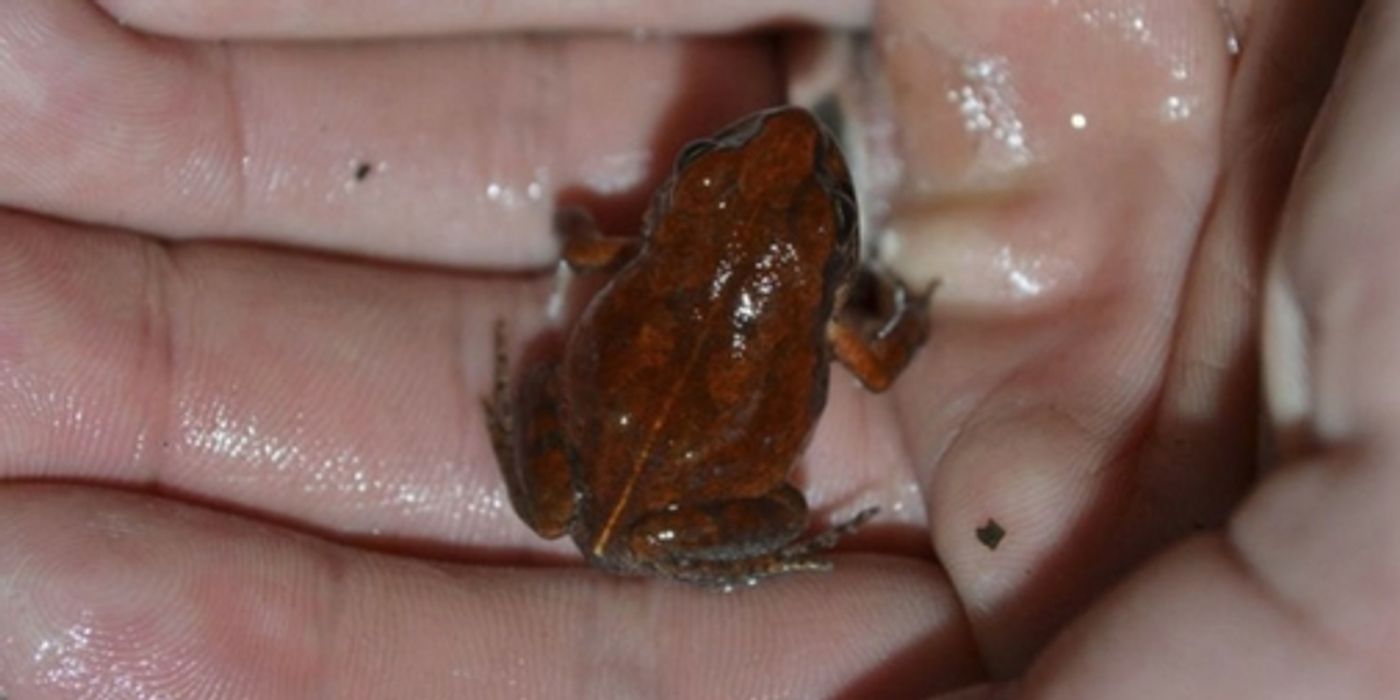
(585, 246)
(526, 433)
(877, 354)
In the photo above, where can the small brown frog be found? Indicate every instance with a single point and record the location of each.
(662, 439)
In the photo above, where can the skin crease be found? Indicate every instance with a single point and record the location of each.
(329, 519)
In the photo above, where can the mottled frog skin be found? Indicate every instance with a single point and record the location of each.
(662, 437)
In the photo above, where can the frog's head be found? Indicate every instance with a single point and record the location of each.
(781, 159)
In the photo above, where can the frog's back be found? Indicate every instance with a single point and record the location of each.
(699, 371)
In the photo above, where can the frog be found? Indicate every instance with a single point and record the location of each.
(662, 434)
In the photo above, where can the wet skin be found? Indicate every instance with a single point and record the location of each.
(662, 438)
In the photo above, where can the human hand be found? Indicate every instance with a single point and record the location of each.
(1089, 384)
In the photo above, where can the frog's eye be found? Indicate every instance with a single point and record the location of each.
(847, 218)
(693, 150)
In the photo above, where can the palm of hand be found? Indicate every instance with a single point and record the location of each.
(1091, 384)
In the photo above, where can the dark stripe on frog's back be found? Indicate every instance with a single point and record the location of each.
(632, 351)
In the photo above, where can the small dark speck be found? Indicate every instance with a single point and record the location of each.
(362, 171)
(991, 534)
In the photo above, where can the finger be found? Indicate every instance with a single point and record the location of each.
(1201, 452)
(451, 152)
(1061, 215)
(1329, 322)
(322, 18)
(1325, 540)
(338, 395)
(1298, 598)
(341, 396)
(110, 594)
(1201, 623)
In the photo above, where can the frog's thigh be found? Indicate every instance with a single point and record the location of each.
(877, 358)
(529, 443)
(742, 528)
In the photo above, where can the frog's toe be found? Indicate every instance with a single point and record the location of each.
(828, 539)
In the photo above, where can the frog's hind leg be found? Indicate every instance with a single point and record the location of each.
(828, 538)
(527, 439)
(738, 528)
(798, 557)
(738, 542)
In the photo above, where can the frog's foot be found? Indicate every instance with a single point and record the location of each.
(883, 324)
(728, 576)
(824, 541)
(799, 557)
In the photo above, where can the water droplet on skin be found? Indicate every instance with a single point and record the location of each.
(1025, 277)
(1176, 108)
(63, 661)
(616, 172)
(1129, 22)
(1232, 35)
(505, 195)
(988, 105)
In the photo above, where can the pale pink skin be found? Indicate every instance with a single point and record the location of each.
(1091, 382)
